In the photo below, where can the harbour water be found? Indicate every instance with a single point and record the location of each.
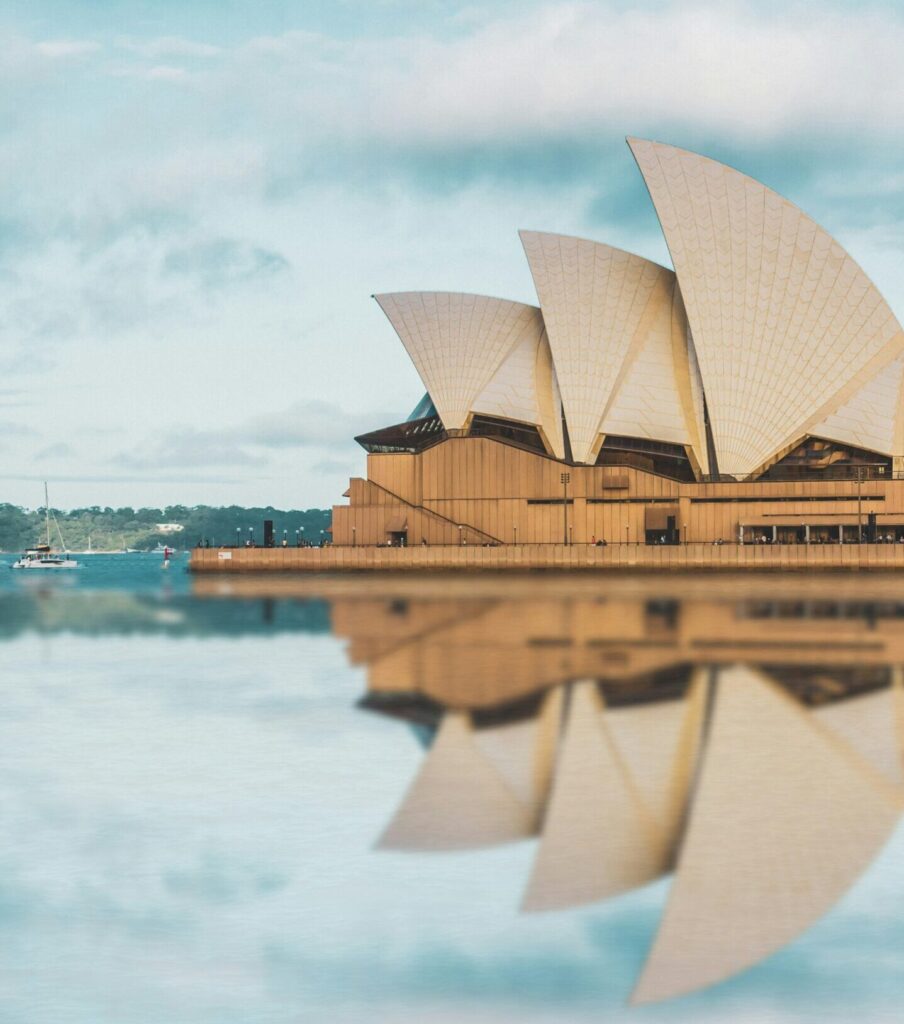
(450, 799)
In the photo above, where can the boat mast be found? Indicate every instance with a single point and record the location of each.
(47, 513)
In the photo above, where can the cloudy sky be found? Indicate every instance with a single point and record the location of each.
(198, 199)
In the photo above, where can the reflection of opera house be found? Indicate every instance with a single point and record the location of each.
(754, 394)
(752, 747)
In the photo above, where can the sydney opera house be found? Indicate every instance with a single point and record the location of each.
(751, 395)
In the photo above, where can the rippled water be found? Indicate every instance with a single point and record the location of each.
(449, 799)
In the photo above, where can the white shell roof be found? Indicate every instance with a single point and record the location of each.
(601, 307)
(657, 398)
(524, 388)
(872, 417)
(457, 342)
(784, 321)
(769, 321)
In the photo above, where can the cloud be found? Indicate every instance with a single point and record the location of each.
(166, 73)
(312, 424)
(570, 68)
(570, 71)
(64, 48)
(170, 46)
(541, 98)
(10, 428)
(333, 467)
(223, 261)
(182, 447)
(56, 451)
(124, 478)
(309, 423)
(218, 880)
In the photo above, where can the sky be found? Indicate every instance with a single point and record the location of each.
(198, 200)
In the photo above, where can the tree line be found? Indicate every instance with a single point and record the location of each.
(114, 529)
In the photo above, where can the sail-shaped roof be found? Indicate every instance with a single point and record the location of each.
(784, 817)
(599, 837)
(870, 725)
(787, 327)
(659, 397)
(457, 342)
(601, 306)
(659, 743)
(458, 800)
(873, 417)
(524, 752)
(524, 388)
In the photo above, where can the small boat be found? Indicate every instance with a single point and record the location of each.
(42, 556)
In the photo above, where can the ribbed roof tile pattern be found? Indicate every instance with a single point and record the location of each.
(783, 319)
(479, 808)
(777, 794)
(599, 304)
(870, 418)
(695, 412)
(457, 342)
(524, 389)
(598, 840)
(655, 399)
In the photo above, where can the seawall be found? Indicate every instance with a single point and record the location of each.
(636, 557)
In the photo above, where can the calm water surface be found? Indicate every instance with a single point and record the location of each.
(448, 800)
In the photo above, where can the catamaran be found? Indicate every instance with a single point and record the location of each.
(42, 556)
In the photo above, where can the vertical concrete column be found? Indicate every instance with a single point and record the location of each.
(806, 533)
(774, 534)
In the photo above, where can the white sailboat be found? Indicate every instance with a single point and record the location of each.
(42, 556)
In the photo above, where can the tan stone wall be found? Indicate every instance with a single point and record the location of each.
(489, 486)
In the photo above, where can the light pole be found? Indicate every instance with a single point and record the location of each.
(515, 532)
(321, 538)
(297, 540)
(238, 536)
(251, 535)
(354, 536)
(565, 478)
(285, 538)
(627, 533)
(461, 536)
(302, 536)
(859, 504)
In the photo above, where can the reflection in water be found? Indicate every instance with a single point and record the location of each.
(49, 611)
(739, 738)
(751, 746)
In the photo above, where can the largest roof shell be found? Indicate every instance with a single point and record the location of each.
(786, 325)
